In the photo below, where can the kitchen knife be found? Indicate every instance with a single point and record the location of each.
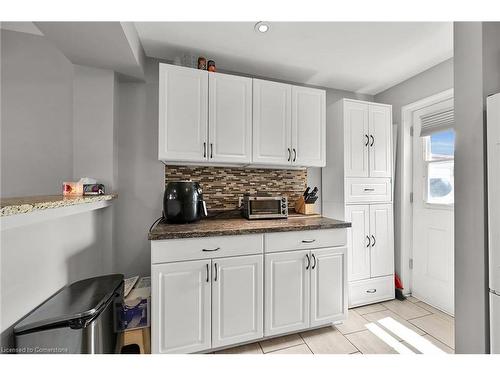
(306, 193)
(312, 200)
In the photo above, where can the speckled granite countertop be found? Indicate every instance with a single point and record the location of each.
(22, 205)
(234, 226)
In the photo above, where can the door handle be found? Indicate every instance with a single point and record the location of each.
(294, 155)
(373, 140)
(371, 291)
(217, 248)
(211, 150)
(374, 242)
(369, 242)
(289, 154)
(308, 241)
(308, 261)
(314, 258)
(204, 149)
(208, 273)
(367, 140)
(216, 273)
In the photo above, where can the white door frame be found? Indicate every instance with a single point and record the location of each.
(405, 155)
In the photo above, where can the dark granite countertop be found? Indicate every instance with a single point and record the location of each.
(238, 225)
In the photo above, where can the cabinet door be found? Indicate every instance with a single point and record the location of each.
(358, 264)
(328, 286)
(382, 236)
(380, 129)
(183, 114)
(308, 127)
(237, 300)
(230, 118)
(287, 291)
(181, 297)
(356, 138)
(272, 123)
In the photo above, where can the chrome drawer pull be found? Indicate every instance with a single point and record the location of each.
(308, 241)
(371, 291)
(217, 248)
(369, 189)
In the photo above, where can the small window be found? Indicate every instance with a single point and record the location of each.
(439, 150)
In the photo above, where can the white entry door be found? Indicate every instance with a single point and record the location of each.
(433, 221)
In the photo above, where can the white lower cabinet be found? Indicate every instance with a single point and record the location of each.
(181, 307)
(328, 292)
(287, 292)
(237, 300)
(211, 303)
(305, 289)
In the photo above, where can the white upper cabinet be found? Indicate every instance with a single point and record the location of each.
(367, 137)
(224, 119)
(308, 127)
(328, 289)
(237, 299)
(380, 130)
(382, 240)
(356, 139)
(182, 301)
(230, 118)
(272, 122)
(183, 114)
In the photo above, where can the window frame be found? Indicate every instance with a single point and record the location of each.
(427, 160)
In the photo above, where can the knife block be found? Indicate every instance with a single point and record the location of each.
(304, 208)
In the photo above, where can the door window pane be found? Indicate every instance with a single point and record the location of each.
(440, 182)
(441, 145)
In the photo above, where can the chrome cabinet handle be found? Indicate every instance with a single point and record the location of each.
(289, 154)
(367, 140)
(373, 140)
(208, 279)
(211, 150)
(204, 149)
(373, 238)
(294, 155)
(216, 273)
(314, 258)
(371, 291)
(369, 189)
(308, 261)
(308, 241)
(217, 248)
(369, 242)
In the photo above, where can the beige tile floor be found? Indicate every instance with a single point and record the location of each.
(390, 327)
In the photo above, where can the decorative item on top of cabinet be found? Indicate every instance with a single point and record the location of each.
(360, 150)
(207, 118)
(211, 66)
(202, 63)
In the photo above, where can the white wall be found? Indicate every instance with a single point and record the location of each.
(94, 125)
(432, 81)
(43, 144)
(36, 116)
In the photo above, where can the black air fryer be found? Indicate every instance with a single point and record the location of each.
(183, 202)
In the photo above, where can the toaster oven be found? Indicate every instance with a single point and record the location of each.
(265, 207)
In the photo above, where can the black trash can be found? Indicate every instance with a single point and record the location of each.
(79, 318)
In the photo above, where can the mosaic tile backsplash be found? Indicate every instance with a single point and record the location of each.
(222, 185)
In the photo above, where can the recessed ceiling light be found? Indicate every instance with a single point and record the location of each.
(262, 27)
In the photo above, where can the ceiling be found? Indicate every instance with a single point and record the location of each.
(364, 57)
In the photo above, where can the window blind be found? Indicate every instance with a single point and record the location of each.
(436, 122)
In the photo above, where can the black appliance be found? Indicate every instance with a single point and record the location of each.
(183, 202)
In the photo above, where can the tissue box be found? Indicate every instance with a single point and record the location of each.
(135, 311)
(93, 189)
(72, 189)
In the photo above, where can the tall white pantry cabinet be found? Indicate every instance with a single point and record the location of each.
(357, 187)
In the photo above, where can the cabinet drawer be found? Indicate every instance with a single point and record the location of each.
(361, 190)
(307, 239)
(204, 248)
(368, 291)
